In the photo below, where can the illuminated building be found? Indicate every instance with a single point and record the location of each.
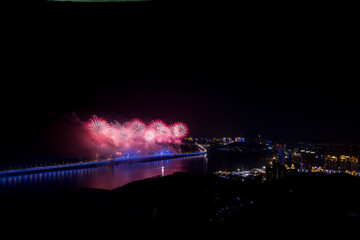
(341, 163)
(308, 159)
(280, 154)
(275, 171)
(239, 139)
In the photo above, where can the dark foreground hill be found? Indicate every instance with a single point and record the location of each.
(182, 202)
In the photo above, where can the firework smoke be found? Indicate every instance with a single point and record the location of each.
(134, 135)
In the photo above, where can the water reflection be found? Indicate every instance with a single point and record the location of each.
(66, 182)
(104, 177)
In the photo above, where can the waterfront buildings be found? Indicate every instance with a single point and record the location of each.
(301, 156)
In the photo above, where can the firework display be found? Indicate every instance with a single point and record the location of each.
(161, 130)
(134, 132)
(179, 130)
(136, 128)
(99, 129)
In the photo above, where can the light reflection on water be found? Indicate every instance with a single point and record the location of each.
(104, 177)
(67, 181)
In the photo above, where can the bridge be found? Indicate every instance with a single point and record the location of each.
(80, 164)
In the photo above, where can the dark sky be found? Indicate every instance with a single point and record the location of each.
(221, 69)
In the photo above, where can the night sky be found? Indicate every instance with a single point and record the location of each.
(222, 71)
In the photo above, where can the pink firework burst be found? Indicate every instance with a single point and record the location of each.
(135, 132)
(124, 133)
(98, 128)
(160, 129)
(149, 135)
(179, 130)
(136, 128)
(117, 133)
